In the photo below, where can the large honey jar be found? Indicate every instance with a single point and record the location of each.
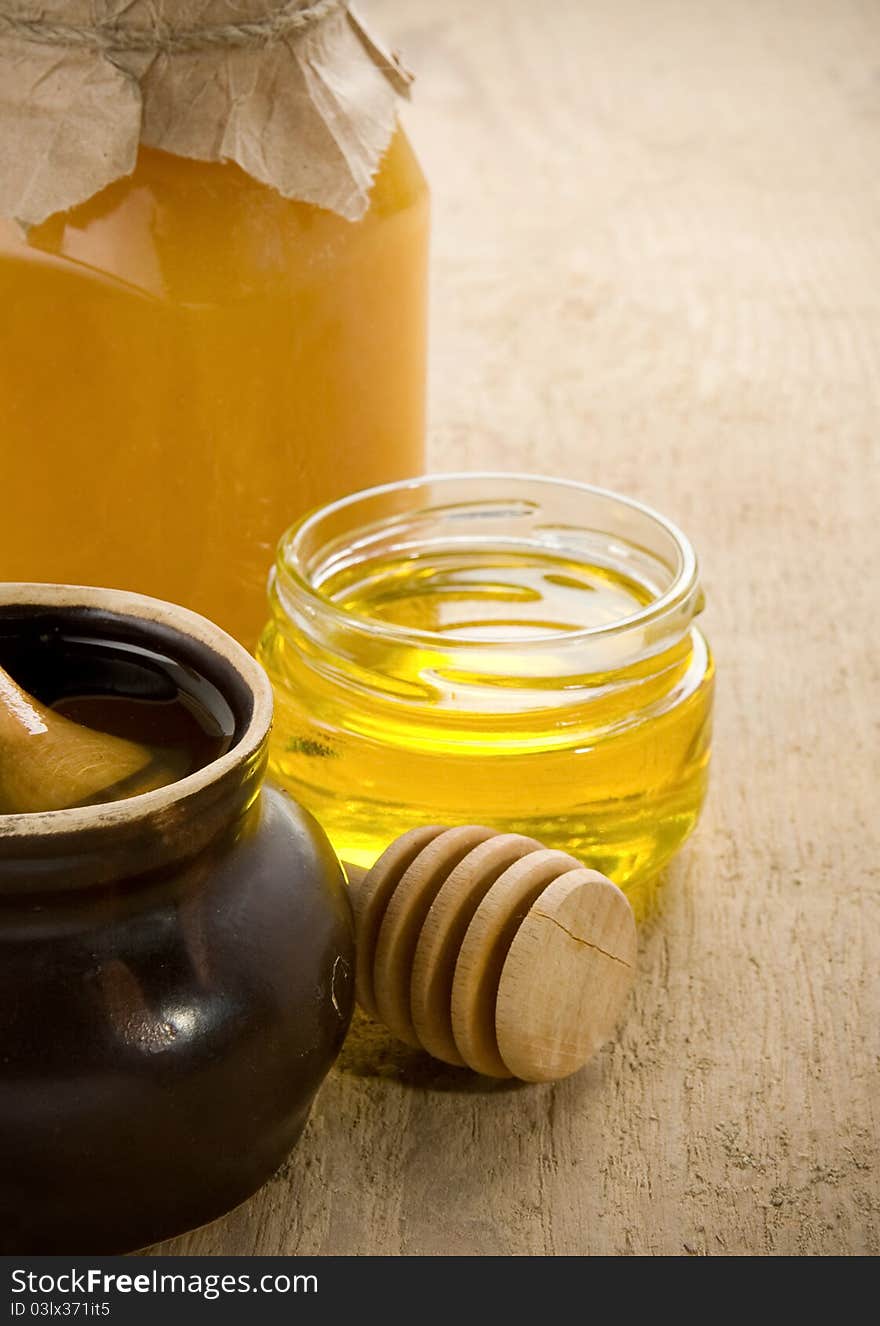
(214, 303)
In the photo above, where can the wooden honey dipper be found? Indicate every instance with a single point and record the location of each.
(488, 950)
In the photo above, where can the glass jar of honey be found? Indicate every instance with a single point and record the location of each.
(188, 358)
(494, 649)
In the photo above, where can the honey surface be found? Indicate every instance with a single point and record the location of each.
(496, 595)
(609, 765)
(188, 362)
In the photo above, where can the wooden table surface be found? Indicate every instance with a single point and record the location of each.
(656, 267)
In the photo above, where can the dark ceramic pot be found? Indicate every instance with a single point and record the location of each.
(175, 970)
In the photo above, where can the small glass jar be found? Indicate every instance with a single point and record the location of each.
(499, 649)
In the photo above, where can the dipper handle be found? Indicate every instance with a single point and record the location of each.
(48, 762)
(488, 950)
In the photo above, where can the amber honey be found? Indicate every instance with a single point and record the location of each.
(188, 361)
(493, 650)
(125, 691)
(178, 724)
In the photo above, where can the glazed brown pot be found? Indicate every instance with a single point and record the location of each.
(175, 970)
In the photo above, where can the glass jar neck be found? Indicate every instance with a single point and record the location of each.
(501, 674)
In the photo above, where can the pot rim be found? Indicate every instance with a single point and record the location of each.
(111, 815)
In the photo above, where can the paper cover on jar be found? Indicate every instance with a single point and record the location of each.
(298, 94)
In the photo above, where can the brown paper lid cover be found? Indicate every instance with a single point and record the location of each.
(299, 94)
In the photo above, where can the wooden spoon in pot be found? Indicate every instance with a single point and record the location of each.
(48, 762)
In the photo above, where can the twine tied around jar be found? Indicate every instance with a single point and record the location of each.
(296, 92)
(291, 19)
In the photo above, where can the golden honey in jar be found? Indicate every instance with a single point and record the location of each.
(493, 649)
(189, 359)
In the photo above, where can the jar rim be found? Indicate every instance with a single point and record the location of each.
(147, 806)
(290, 567)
